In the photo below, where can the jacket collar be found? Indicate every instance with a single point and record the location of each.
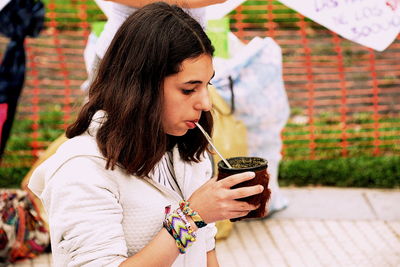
(182, 169)
(85, 145)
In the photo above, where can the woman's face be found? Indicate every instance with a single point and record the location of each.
(186, 95)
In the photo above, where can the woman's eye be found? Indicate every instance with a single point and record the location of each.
(187, 91)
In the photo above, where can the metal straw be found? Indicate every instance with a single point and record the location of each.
(211, 143)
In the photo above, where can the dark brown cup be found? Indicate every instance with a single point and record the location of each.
(259, 167)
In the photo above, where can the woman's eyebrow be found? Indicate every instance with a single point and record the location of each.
(198, 81)
(193, 82)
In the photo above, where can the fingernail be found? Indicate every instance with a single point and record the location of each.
(252, 174)
(261, 188)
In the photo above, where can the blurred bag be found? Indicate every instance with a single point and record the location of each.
(261, 102)
(230, 138)
(51, 149)
(229, 134)
(22, 230)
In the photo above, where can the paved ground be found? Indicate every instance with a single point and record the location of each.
(321, 227)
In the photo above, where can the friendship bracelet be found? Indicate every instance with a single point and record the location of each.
(178, 229)
(183, 217)
(185, 235)
(184, 206)
(167, 225)
(172, 232)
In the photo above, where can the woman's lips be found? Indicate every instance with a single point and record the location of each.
(191, 124)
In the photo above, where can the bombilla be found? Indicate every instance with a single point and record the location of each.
(211, 143)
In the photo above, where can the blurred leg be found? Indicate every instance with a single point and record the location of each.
(278, 200)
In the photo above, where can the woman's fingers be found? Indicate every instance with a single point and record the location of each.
(239, 214)
(242, 206)
(216, 200)
(243, 210)
(235, 179)
(246, 191)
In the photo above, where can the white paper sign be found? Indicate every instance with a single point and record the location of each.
(372, 23)
(220, 10)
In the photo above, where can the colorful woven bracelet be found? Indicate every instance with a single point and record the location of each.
(167, 225)
(184, 206)
(179, 226)
(178, 229)
(183, 217)
(172, 232)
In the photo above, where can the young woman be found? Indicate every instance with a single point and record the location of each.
(131, 186)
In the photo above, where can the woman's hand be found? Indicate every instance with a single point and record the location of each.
(215, 200)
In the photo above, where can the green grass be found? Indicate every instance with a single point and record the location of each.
(358, 136)
(371, 172)
(11, 177)
(18, 156)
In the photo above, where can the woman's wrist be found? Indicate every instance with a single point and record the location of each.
(194, 215)
(179, 227)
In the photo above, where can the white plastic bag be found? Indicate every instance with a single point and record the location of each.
(260, 100)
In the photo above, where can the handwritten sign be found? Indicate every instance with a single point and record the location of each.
(372, 23)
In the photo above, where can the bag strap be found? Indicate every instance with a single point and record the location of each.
(232, 95)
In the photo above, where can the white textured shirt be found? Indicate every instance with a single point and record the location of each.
(99, 217)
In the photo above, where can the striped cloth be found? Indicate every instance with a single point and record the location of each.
(163, 173)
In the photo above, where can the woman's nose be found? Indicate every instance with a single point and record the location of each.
(204, 102)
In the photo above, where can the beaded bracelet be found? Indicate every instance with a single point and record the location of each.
(178, 229)
(184, 206)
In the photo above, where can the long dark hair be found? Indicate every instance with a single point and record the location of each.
(149, 46)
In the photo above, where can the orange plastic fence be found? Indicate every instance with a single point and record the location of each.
(345, 98)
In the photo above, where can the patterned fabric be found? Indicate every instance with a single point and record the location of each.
(22, 230)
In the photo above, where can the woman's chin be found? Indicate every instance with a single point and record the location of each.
(178, 132)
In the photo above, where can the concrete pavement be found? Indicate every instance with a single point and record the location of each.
(321, 227)
(342, 203)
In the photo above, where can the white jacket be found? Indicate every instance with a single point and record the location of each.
(100, 217)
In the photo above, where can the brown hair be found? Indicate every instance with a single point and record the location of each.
(149, 46)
